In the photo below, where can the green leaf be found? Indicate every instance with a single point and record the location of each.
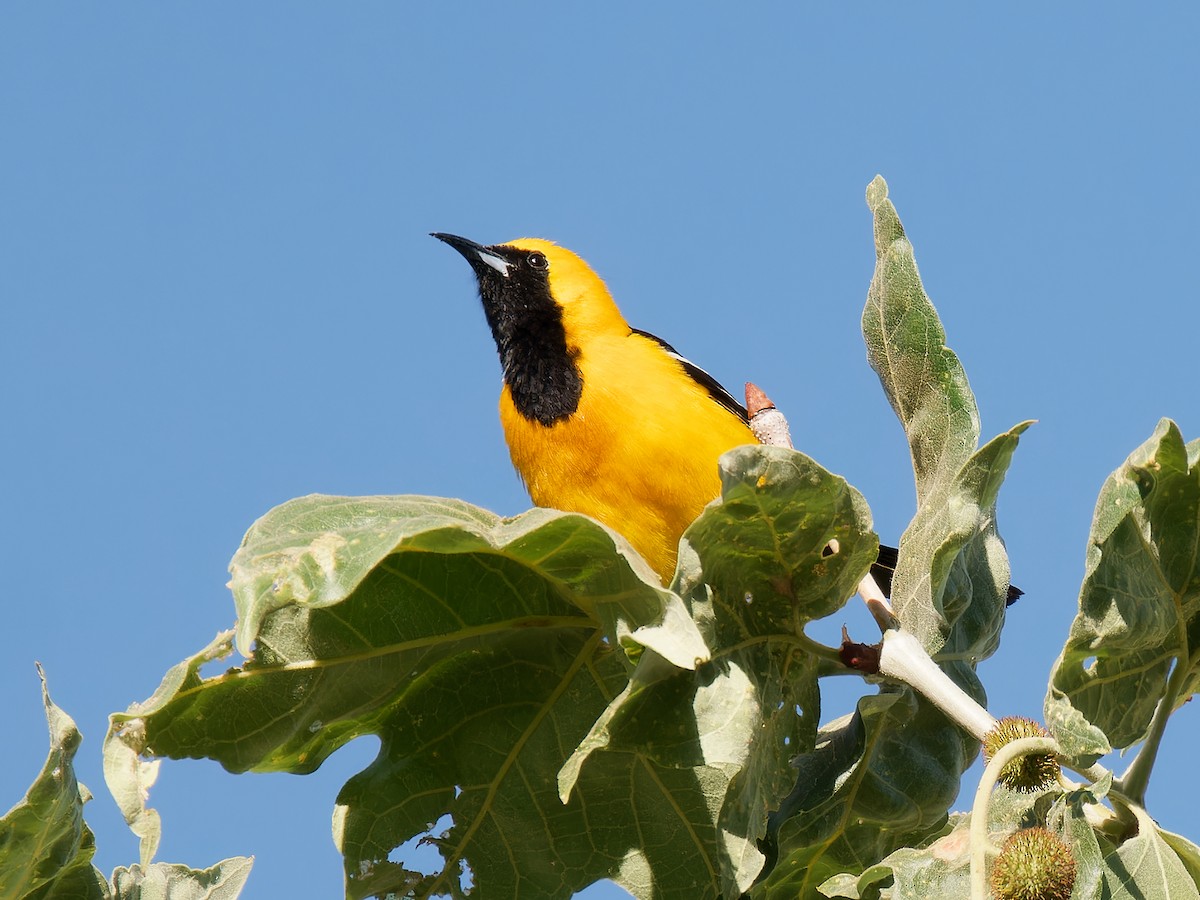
(171, 881)
(1133, 644)
(939, 868)
(952, 578)
(877, 781)
(1068, 819)
(45, 846)
(753, 572)
(1146, 867)
(316, 551)
(887, 776)
(129, 777)
(940, 871)
(480, 650)
(1188, 853)
(906, 345)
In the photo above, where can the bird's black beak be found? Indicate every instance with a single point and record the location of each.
(484, 260)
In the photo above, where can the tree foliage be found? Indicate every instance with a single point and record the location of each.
(46, 847)
(530, 679)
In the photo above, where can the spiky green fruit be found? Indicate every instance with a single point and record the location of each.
(1029, 773)
(1034, 864)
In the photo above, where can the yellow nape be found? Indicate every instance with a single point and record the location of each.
(588, 307)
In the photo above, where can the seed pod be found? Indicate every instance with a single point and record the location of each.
(1029, 773)
(1034, 864)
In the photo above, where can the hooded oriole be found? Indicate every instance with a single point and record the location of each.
(601, 418)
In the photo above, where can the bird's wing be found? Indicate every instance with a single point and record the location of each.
(702, 378)
(885, 567)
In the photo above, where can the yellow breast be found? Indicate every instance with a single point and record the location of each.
(639, 454)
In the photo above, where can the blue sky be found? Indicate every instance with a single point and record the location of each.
(219, 293)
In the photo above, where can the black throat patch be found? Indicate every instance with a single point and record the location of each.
(527, 325)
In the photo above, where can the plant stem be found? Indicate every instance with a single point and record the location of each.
(825, 654)
(983, 795)
(877, 603)
(1136, 778)
(902, 658)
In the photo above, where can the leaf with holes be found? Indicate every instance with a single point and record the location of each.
(480, 650)
(885, 777)
(754, 571)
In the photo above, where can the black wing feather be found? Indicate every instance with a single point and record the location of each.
(702, 378)
(885, 567)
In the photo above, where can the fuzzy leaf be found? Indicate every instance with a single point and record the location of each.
(171, 881)
(45, 846)
(952, 578)
(753, 572)
(480, 650)
(1145, 867)
(889, 773)
(1139, 608)
(1188, 853)
(877, 781)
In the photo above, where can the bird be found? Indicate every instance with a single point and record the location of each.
(602, 418)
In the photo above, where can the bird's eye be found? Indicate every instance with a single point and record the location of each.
(538, 261)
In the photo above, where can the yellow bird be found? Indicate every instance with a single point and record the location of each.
(600, 418)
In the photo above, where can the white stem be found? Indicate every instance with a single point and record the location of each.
(903, 658)
(983, 795)
(877, 604)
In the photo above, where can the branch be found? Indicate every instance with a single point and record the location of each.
(770, 426)
(900, 656)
